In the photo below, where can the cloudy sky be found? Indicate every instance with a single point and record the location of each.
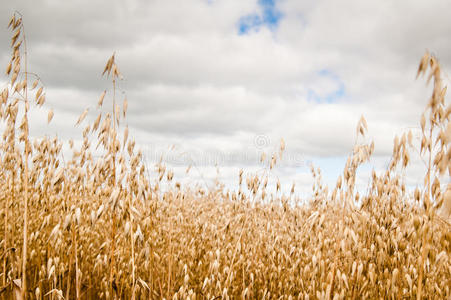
(213, 83)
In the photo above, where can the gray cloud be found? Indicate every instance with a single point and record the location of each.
(191, 80)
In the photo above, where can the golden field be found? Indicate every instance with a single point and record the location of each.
(101, 227)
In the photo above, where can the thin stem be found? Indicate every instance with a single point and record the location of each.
(25, 222)
(77, 279)
(170, 260)
(113, 232)
(133, 257)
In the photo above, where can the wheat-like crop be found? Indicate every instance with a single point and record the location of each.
(99, 226)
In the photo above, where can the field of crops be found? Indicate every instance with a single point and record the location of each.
(101, 227)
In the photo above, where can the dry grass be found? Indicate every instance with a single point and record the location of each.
(100, 227)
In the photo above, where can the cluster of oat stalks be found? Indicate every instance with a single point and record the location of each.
(97, 226)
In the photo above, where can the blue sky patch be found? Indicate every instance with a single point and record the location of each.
(331, 97)
(269, 16)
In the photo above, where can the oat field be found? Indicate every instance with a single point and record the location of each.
(101, 227)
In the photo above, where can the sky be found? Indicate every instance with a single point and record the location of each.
(214, 83)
